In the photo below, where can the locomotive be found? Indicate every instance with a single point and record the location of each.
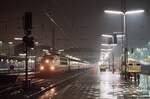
(56, 63)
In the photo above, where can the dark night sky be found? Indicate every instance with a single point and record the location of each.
(82, 20)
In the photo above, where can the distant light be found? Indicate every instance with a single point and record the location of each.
(11, 61)
(113, 12)
(18, 39)
(106, 49)
(134, 11)
(32, 56)
(51, 49)
(106, 55)
(31, 61)
(10, 43)
(22, 54)
(2, 60)
(36, 43)
(61, 50)
(107, 35)
(45, 50)
(1, 42)
(120, 36)
(32, 48)
(109, 44)
(7, 61)
(117, 33)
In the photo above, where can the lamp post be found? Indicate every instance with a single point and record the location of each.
(124, 30)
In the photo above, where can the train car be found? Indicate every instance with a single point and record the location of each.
(133, 67)
(56, 63)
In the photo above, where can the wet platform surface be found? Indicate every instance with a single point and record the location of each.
(98, 85)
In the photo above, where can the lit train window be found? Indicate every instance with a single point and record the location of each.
(63, 61)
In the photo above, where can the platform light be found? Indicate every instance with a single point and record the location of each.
(113, 12)
(36, 43)
(118, 36)
(32, 48)
(2, 60)
(18, 39)
(45, 50)
(22, 54)
(134, 11)
(123, 13)
(107, 35)
(61, 50)
(10, 43)
(106, 49)
(7, 60)
(109, 44)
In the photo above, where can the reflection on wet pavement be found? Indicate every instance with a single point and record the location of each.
(100, 85)
(49, 94)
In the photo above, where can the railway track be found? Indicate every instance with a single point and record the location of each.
(37, 86)
(17, 88)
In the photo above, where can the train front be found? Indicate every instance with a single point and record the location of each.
(47, 64)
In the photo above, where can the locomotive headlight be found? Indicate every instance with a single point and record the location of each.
(42, 68)
(47, 61)
(52, 68)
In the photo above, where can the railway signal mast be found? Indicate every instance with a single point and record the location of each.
(28, 42)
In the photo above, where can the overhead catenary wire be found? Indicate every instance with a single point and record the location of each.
(61, 29)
